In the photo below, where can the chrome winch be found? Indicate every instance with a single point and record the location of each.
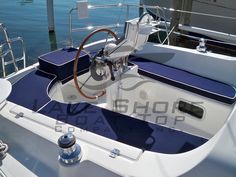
(70, 151)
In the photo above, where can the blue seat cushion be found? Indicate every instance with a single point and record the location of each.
(32, 90)
(186, 80)
(125, 129)
(60, 62)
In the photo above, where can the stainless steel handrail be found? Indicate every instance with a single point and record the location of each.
(4, 29)
(160, 10)
(89, 28)
(92, 7)
(6, 48)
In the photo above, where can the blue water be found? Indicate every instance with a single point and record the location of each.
(28, 19)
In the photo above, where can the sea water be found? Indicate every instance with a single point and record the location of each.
(28, 19)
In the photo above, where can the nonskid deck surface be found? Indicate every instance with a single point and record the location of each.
(122, 128)
(32, 92)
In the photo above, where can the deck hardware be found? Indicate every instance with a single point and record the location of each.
(2, 174)
(202, 46)
(114, 153)
(70, 152)
(1, 50)
(3, 150)
(19, 115)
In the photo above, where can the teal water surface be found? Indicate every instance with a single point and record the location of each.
(28, 19)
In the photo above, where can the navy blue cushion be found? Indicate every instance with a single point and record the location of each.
(125, 129)
(186, 80)
(32, 90)
(60, 62)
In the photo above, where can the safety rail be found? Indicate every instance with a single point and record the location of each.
(107, 6)
(7, 49)
(162, 24)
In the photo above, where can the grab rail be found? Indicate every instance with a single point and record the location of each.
(161, 11)
(6, 48)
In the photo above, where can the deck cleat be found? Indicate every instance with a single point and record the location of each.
(202, 46)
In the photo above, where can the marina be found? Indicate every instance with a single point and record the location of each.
(28, 19)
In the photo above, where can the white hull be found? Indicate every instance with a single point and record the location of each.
(133, 162)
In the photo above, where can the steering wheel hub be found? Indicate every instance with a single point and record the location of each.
(99, 63)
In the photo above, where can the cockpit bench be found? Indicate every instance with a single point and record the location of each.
(60, 63)
(32, 92)
(186, 80)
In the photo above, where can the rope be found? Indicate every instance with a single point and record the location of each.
(3, 150)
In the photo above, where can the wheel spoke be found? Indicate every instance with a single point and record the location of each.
(85, 81)
(81, 48)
